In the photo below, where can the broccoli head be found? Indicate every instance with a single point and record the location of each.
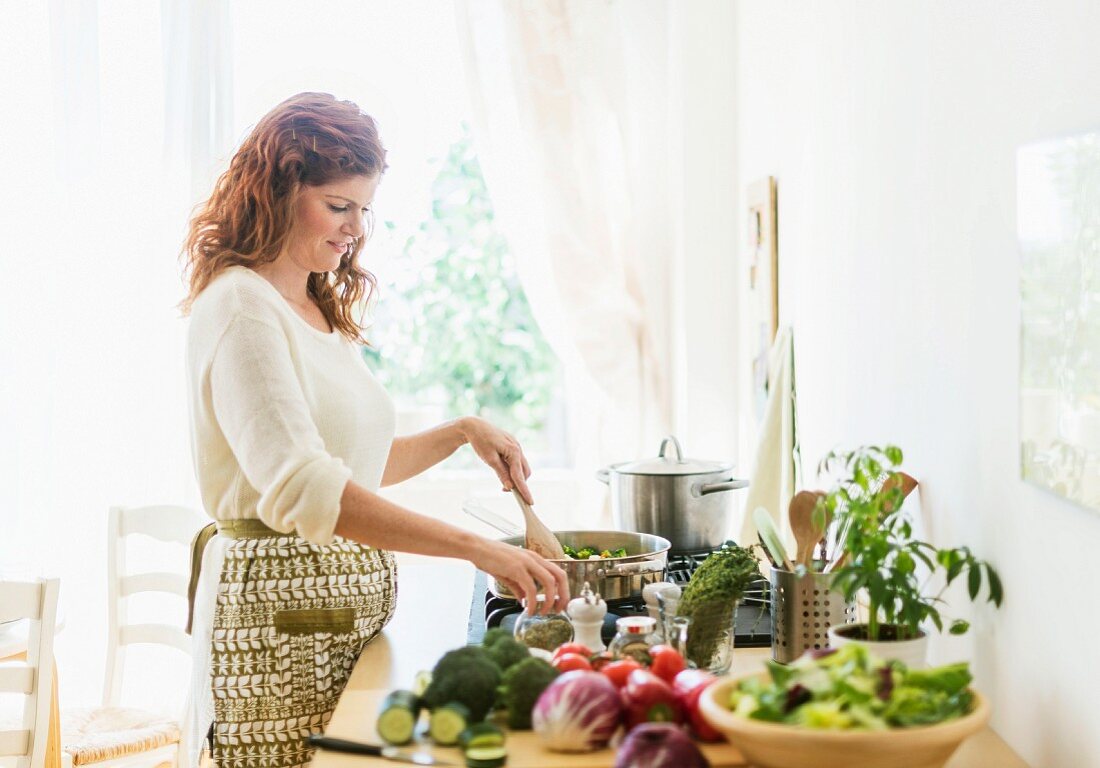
(494, 635)
(466, 675)
(506, 652)
(523, 683)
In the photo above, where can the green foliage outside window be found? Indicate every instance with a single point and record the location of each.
(456, 330)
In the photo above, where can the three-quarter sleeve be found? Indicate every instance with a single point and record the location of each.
(260, 408)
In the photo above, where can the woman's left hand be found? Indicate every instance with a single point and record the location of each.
(500, 451)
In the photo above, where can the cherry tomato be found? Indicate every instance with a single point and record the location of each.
(618, 671)
(570, 661)
(667, 662)
(577, 648)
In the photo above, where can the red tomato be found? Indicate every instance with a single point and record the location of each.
(667, 662)
(689, 686)
(618, 671)
(577, 648)
(567, 662)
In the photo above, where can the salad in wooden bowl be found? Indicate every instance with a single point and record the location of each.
(843, 708)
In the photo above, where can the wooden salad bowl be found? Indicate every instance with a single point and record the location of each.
(776, 745)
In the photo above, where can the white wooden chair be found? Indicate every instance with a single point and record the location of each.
(112, 735)
(37, 601)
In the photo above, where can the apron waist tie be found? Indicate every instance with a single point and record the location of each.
(234, 529)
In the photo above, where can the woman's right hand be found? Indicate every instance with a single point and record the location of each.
(525, 574)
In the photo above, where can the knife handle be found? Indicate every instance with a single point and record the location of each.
(343, 745)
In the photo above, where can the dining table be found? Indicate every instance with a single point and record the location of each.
(431, 618)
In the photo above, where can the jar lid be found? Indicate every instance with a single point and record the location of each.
(636, 625)
(670, 461)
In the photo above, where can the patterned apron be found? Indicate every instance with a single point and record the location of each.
(290, 621)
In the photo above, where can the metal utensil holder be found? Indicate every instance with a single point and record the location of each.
(803, 609)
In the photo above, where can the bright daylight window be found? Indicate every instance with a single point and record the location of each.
(453, 334)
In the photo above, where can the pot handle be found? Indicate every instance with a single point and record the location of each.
(604, 475)
(675, 444)
(631, 569)
(702, 489)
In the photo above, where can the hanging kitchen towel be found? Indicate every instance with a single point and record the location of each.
(776, 467)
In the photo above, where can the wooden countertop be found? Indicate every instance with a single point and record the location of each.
(431, 618)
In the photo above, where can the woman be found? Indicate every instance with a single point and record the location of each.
(292, 437)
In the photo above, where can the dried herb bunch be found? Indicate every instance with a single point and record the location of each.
(710, 597)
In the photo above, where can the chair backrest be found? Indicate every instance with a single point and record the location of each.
(164, 523)
(37, 601)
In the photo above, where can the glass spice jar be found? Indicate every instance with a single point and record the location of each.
(634, 636)
(546, 632)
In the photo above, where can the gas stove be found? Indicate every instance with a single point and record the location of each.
(752, 626)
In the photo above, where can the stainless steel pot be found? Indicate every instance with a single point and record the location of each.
(685, 501)
(615, 578)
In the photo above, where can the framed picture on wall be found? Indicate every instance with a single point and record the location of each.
(1058, 225)
(763, 281)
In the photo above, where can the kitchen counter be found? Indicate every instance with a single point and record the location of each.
(431, 619)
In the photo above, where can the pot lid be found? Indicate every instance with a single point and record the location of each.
(670, 461)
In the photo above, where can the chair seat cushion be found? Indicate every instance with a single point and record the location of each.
(94, 734)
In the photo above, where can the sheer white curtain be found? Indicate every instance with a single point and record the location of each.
(574, 132)
(92, 391)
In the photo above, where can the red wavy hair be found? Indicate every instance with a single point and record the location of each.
(309, 139)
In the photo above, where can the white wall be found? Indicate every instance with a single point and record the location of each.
(703, 208)
(892, 129)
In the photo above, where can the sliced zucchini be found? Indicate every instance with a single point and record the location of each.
(397, 717)
(481, 735)
(486, 757)
(448, 722)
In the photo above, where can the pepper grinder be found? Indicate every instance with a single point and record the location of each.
(586, 611)
(649, 595)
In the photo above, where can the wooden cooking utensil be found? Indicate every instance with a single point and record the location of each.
(538, 538)
(806, 532)
(907, 482)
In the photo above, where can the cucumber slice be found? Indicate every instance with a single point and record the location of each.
(397, 717)
(448, 722)
(481, 735)
(486, 757)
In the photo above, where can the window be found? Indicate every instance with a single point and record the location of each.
(452, 332)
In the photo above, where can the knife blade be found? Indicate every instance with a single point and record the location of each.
(374, 750)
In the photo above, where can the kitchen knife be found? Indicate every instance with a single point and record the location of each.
(374, 750)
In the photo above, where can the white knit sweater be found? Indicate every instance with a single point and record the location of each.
(282, 415)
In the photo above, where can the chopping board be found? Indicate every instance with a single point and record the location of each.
(525, 748)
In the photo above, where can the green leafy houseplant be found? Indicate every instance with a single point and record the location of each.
(883, 554)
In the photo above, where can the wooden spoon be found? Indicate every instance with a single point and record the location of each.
(538, 538)
(907, 483)
(899, 479)
(806, 532)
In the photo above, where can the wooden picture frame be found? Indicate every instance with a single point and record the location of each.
(763, 281)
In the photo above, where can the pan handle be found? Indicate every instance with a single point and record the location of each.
(478, 512)
(631, 569)
(604, 475)
(702, 489)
